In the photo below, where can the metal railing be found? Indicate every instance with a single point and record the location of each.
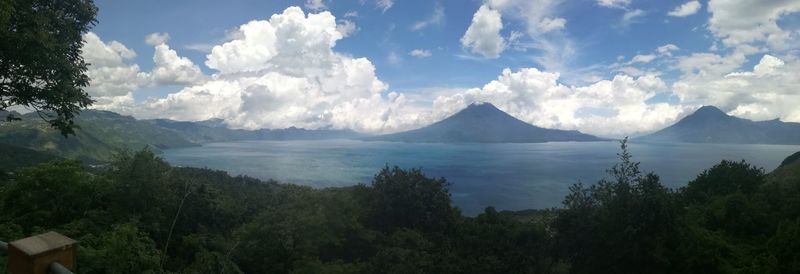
(57, 268)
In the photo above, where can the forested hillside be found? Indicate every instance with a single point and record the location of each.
(99, 135)
(142, 215)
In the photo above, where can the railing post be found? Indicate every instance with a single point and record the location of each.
(41, 254)
(57, 268)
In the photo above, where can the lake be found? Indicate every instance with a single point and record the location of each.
(507, 176)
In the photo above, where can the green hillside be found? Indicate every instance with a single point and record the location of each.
(100, 136)
(13, 157)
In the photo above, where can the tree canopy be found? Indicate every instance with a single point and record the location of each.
(41, 66)
(141, 215)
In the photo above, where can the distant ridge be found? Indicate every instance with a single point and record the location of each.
(102, 134)
(483, 123)
(709, 124)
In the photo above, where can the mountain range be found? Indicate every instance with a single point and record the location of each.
(711, 125)
(101, 134)
(483, 123)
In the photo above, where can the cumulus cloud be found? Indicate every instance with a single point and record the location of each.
(283, 72)
(420, 53)
(483, 35)
(767, 91)
(744, 22)
(171, 69)
(112, 77)
(686, 9)
(608, 107)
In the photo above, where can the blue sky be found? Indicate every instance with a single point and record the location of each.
(592, 45)
(600, 34)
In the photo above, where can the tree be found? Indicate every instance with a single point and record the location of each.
(49, 194)
(725, 178)
(624, 225)
(41, 66)
(124, 249)
(409, 199)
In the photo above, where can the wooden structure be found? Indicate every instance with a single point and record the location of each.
(38, 254)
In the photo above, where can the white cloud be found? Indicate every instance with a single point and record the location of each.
(549, 46)
(346, 27)
(613, 107)
(315, 5)
(667, 49)
(283, 72)
(437, 18)
(767, 91)
(420, 53)
(620, 4)
(538, 16)
(551, 24)
(287, 38)
(384, 5)
(201, 47)
(646, 58)
(745, 22)
(483, 35)
(156, 38)
(631, 16)
(112, 78)
(686, 9)
(171, 69)
(351, 14)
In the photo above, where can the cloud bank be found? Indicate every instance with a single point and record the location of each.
(283, 71)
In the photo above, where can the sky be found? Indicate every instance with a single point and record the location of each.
(605, 67)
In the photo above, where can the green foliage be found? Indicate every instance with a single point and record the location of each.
(212, 262)
(784, 248)
(408, 199)
(725, 178)
(49, 195)
(494, 242)
(624, 225)
(40, 57)
(123, 249)
(139, 214)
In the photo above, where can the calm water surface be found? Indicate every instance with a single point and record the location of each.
(507, 176)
